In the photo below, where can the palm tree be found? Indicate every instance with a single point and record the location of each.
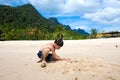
(93, 33)
(59, 32)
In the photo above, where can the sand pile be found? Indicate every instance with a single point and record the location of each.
(85, 67)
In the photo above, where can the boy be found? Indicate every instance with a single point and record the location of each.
(44, 54)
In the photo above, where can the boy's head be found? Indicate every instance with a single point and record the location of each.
(59, 43)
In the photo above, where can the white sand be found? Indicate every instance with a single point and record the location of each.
(95, 59)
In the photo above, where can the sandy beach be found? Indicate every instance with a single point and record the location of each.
(92, 59)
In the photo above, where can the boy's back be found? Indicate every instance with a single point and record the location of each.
(48, 46)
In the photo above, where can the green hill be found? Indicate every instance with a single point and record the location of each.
(25, 23)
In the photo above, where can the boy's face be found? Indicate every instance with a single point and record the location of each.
(57, 47)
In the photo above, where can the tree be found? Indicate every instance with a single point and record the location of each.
(93, 33)
(59, 32)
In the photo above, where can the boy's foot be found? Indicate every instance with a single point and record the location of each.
(39, 61)
(43, 64)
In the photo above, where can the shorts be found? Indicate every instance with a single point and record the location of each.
(48, 58)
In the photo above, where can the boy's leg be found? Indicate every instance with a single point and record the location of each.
(40, 56)
(45, 54)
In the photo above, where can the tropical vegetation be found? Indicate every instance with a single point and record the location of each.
(25, 23)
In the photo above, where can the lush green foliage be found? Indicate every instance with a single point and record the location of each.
(93, 34)
(25, 23)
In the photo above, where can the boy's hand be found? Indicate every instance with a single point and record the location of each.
(69, 60)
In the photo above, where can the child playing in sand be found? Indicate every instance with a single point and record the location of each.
(44, 53)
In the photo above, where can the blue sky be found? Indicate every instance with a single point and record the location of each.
(104, 15)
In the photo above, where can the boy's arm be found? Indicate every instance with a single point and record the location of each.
(59, 58)
(55, 56)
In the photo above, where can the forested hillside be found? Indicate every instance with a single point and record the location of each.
(25, 23)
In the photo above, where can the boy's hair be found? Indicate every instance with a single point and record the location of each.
(59, 42)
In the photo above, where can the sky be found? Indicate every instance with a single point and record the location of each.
(104, 15)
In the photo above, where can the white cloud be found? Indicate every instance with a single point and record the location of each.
(66, 7)
(111, 3)
(78, 23)
(81, 6)
(105, 16)
(96, 12)
(111, 28)
(73, 7)
(15, 2)
(48, 6)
